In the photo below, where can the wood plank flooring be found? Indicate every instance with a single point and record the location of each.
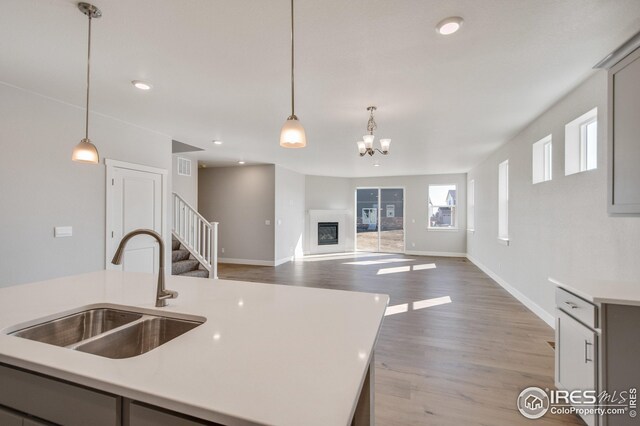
(457, 363)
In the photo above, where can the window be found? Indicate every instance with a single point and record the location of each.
(581, 143)
(442, 207)
(471, 205)
(503, 201)
(589, 145)
(184, 166)
(542, 151)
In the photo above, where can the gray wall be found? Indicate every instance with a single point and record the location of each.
(186, 186)
(289, 214)
(241, 199)
(330, 193)
(40, 187)
(558, 228)
(418, 239)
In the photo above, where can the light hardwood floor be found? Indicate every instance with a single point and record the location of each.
(458, 363)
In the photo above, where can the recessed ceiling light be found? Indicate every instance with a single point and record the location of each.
(141, 85)
(217, 142)
(449, 26)
(376, 165)
(240, 162)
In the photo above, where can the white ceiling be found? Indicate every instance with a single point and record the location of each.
(220, 70)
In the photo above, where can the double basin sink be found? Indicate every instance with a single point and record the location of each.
(110, 332)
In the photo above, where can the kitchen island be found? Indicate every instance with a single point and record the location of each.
(266, 354)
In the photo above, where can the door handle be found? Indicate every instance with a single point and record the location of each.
(586, 351)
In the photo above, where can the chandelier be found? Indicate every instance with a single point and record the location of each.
(365, 146)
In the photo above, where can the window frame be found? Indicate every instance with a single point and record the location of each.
(576, 142)
(584, 141)
(471, 205)
(454, 207)
(542, 160)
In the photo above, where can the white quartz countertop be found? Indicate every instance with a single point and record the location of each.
(267, 354)
(616, 292)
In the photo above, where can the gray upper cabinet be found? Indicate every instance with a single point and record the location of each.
(624, 136)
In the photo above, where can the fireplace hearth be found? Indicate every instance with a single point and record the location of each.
(327, 233)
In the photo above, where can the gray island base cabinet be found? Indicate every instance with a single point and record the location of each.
(32, 399)
(598, 346)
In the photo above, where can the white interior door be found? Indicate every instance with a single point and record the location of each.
(134, 201)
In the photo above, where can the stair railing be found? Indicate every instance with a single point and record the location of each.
(196, 234)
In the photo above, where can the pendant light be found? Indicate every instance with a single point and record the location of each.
(85, 151)
(292, 134)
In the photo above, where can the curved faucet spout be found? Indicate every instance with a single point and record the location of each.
(162, 294)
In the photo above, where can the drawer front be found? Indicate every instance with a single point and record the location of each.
(580, 309)
(55, 401)
(142, 415)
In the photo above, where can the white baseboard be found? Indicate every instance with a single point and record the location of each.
(530, 304)
(435, 253)
(246, 261)
(255, 262)
(283, 260)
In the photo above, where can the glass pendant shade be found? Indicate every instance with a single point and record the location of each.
(292, 134)
(368, 141)
(85, 152)
(361, 148)
(384, 144)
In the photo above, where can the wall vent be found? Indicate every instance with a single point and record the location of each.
(184, 166)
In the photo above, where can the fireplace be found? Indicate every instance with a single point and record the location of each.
(327, 233)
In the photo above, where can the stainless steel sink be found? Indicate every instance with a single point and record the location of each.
(110, 332)
(138, 338)
(74, 328)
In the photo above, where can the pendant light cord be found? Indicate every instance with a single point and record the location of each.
(293, 110)
(86, 123)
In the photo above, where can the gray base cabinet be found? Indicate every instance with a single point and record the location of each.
(144, 415)
(31, 399)
(598, 348)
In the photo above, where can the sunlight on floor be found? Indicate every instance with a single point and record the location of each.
(414, 306)
(407, 268)
(376, 262)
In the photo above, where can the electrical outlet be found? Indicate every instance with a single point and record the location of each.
(267, 222)
(413, 244)
(222, 250)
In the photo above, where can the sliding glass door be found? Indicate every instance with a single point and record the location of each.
(380, 220)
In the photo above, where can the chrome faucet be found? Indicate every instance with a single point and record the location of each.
(162, 294)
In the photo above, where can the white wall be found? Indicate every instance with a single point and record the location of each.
(186, 186)
(241, 199)
(40, 187)
(289, 214)
(558, 228)
(330, 193)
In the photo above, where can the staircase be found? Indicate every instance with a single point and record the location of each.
(183, 264)
(194, 242)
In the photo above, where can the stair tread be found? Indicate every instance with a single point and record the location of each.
(196, 273)
(183, 266)
(178, 255)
